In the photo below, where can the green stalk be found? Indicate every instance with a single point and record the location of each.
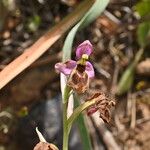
(65, 124)
(78, 111)
(65, 127)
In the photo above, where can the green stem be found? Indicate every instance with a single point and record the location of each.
(65, 127)
(78, 111)
(65, 124)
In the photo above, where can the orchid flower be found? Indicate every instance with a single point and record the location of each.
(79, 71)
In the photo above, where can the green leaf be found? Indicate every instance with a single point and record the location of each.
(126, 79)
(143, 33)
(85, 137)
(97, 8)
(78, 111)
(143, 7)
(143, 30)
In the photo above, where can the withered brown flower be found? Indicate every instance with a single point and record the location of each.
(45, 146)
(103, 104)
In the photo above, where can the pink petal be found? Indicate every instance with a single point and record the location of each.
(66, 68)
(84, 48)
(91, 110)
(89, 69)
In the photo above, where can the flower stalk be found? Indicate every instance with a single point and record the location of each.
(65, 127)
(66, 96)
(67, 123)
(78, 73)
(77, 112)
(75, 76)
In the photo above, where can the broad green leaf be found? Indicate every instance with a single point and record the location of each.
(126, 79)
(143, 33)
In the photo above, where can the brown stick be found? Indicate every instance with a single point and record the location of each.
(42, 44)
(105, 133)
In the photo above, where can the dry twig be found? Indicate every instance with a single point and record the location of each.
(105, 133)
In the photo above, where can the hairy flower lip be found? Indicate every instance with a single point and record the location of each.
(78, 80)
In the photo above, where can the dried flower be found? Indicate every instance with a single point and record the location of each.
(103, 105)
(45, 146)
(79, 71)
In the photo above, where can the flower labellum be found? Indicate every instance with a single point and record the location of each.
(78, 79)
(79, 71)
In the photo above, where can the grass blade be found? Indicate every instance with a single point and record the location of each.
(126, 80)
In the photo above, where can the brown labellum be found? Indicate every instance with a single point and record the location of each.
(45, 146)
(103, 104)
(79, 80)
